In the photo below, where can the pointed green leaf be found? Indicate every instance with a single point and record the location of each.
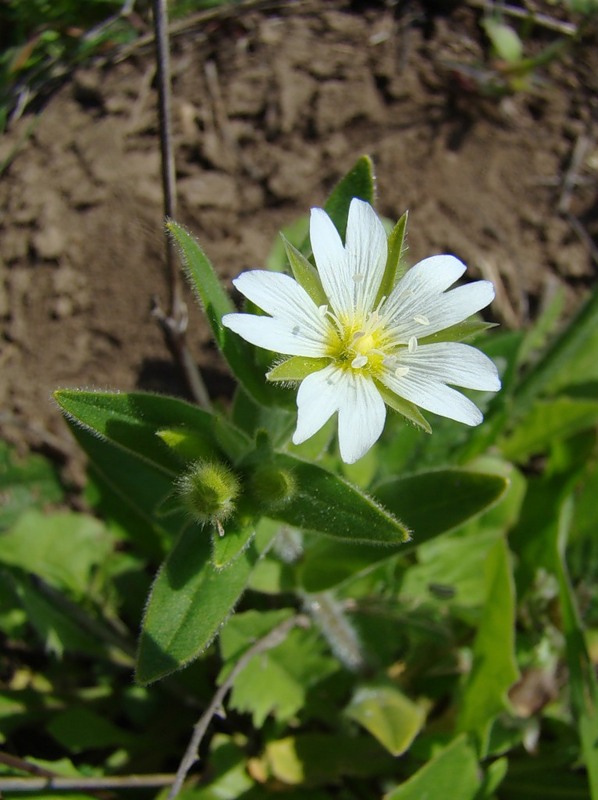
(328, 504)
(305, 274)
(296, 368)
(455, 767)
(216, 303)
(494, 668)
(395, 260)
(132, 421)
(434, 502)
(358, 182)
(189, 602)
(387, 714)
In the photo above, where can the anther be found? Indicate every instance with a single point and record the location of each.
(421, 319)
(412, 346)
(358, 277)
(400, 372)
(359, 361)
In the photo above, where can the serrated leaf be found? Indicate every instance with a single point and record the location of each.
(326, 503)
(434, 502)
(358, 182)
(390, 716)
(274, 682)
(455, 767)
(216, 303)
(189, 602)
(494, 668)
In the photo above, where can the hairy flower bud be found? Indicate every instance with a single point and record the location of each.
(272, 486)
(209, 490)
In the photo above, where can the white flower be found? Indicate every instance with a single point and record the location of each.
(364, 346)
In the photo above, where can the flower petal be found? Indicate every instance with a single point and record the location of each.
(332, 262)
(430, 394)
(317, 400)
(453, 362)
(367, 250)
(282, 297)
(423, 315)
(361, 416)
(361, 409)
(276, 334)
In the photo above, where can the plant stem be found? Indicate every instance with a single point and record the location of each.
(270, 640)
(173, 324)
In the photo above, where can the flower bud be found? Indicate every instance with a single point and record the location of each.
(271, 486)
(209, 490)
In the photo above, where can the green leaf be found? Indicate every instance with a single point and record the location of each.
(582, 675)
(434, 502)
(305, 274)
(327, 504)
(358, 182)
(189, 602)
(575, 347)
(216, 303)
(63, 548)
(547, 422)
(455, 767)
(276, 681)
(132, 491)
(395, 260)
(79, 729)
(228, 547)
(505, 40)
(318, 758)
(387, 714)
(494, 668)
(25, 483)
(56, 621)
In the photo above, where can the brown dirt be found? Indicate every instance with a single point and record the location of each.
(270, 110)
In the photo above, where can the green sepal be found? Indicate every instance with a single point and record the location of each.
(358, 182)
(296, 368)
(305, 273)
(404, 407)
(395, 260)
(457, 333)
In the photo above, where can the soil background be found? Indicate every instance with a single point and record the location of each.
(270, 109)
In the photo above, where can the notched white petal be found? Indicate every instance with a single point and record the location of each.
(361, 416)
(274, 334)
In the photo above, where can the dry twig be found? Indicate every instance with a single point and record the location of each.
(270, 640)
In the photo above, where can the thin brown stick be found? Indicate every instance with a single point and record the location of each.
(270, 640)
(543, 20)
(57, 783)
(173, 324)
